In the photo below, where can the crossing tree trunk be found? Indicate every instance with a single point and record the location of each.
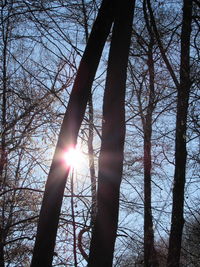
(53, 195)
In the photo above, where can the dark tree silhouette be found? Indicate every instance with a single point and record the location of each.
(53, 195)
(113, 133)
(177, 220)
(183, 88)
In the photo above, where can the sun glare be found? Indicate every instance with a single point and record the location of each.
(73, 158)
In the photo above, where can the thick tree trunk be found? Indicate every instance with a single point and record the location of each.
(52, 200)
(177, 220)
(113, 133)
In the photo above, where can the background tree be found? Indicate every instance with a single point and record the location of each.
(27, 110)
(180, 145)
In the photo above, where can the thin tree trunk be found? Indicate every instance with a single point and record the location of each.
(160, 45)
(90, 133)
(150, 255)
(53, 195)
(3, 153)
(90, 150)
(113, 134)
(91, 161)
(73, 219)
(150, 258)
(177, 220)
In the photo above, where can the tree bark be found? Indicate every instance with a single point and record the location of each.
(177, 220)
(113, 134)
(54, 189)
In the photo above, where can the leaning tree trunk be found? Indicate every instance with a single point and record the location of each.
(177, 220)
(113, 134)
(53, 195)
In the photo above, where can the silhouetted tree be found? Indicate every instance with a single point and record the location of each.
(52, 200)
(177, 220)
(113, 134)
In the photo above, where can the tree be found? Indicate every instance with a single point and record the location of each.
(52, 200)
(27, 111)
(23, 113)
(113, 134)
(183, 89)
(150, 257)
(177, 220)
(191, 245)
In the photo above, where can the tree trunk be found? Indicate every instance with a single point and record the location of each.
(2, 263)
(53, 195)
(177, 220)
(150, 257)
(90, 133)
(91, 161)
(73, 220)
(113, 133)
(3, 152)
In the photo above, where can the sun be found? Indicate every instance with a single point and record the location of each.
(73, 157)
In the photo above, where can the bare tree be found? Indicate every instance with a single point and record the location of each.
(26, 108)
(177, 220)
(150, 257)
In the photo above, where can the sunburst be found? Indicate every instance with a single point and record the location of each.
(73, 158)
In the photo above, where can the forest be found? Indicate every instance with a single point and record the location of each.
(100, 133)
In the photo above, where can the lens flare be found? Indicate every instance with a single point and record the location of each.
(73, 158)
